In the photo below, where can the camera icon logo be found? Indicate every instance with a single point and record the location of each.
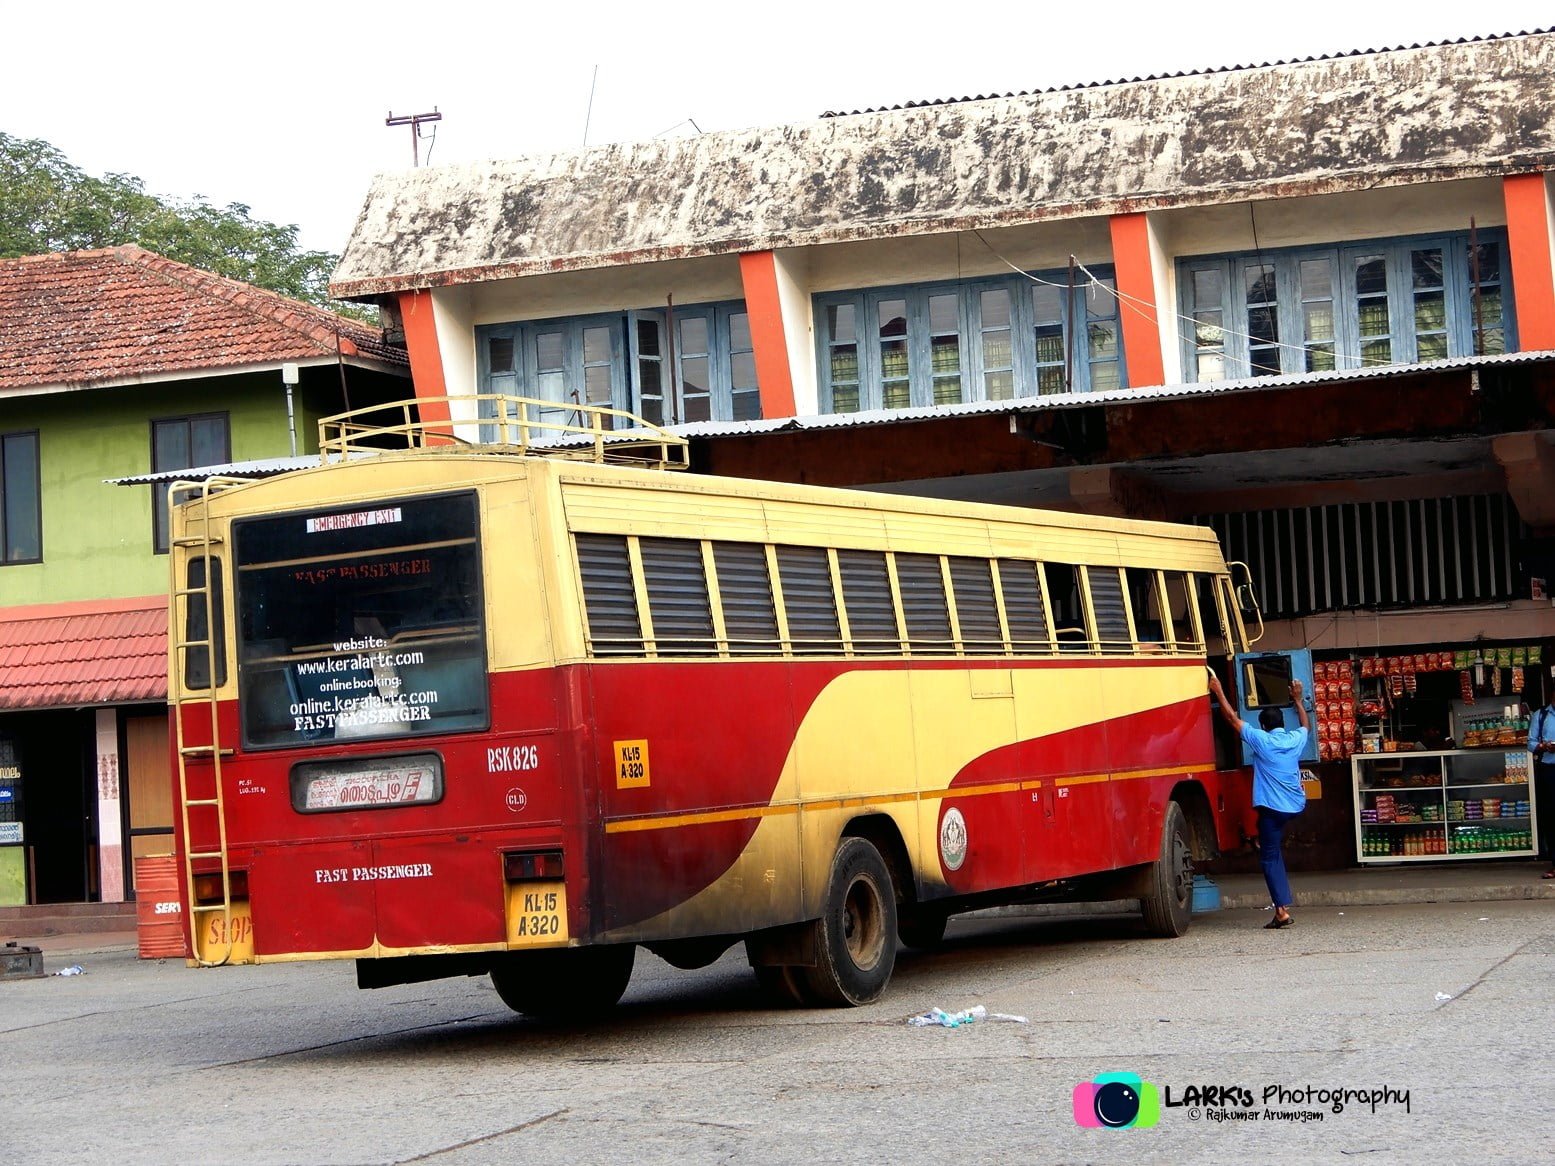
(1117, 1101)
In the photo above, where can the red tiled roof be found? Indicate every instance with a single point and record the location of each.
(81, 318)
(70, 655)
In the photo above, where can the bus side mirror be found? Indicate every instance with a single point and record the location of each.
(1246, 599)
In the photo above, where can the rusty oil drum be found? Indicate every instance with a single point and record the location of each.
(158, 911)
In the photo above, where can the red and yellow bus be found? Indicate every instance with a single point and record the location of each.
(460, 709)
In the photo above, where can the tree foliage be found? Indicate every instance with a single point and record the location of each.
(48, 204)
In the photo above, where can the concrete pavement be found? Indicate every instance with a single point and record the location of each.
(1460, 882)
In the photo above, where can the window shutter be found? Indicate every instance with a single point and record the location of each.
(1107, 599)
(866, 590)
(744, 588)
(677, 596)
(977, 612)
(610, 602)
(924, 605)
(1023, 606)
(808, 600)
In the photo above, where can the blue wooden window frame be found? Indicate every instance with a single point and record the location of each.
(513, 358)
(1376, 302)
(21, 498)
(554, 360)
(987, 349)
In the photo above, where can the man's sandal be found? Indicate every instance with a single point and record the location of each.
(1276, 923)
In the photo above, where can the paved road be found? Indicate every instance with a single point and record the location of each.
(139, 1062)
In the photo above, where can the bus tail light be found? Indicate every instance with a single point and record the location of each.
(532, 866)
(207, 887)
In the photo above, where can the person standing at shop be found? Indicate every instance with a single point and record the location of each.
(1278, 795)
(1541, 743)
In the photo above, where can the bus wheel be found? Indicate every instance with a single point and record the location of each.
(1168, 905)
(922, 927)
(856, 933)
(571, 983)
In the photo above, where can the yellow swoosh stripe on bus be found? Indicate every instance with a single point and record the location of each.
(666, 821)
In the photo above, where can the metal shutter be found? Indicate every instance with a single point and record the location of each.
(677, 596)
(1023, 606)
(609, 600)
(866, 590)
(1107, 599)
(977, 611)
(744, 588)
(924, 606)
(808, 600)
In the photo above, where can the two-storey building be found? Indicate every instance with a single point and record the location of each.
(116, 363)
(1308, 303)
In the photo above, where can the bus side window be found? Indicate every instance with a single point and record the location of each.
(1024, 609)
(1144, 592)
(609, 597)
(1180, 606)
(745, 592)
(1063, 591)
(924, 606)
(977, 612)
(1215, 642)
(199, 656)
(808, 601)
(676, 582)
(866, 593)
(1111, 608)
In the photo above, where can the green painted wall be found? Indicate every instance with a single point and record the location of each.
(13, 876)
(96, 536)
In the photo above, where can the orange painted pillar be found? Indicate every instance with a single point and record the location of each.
(1533, 277)
(426, 358)
(1137, 309)
(769, 339)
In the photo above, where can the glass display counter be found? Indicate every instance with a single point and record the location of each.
(1438, 806)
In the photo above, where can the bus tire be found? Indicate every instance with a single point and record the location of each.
(1167, 906)
(922, 927)
(855, 937)
(570, 983)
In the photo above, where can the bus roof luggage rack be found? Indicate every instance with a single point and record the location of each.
(523, 426)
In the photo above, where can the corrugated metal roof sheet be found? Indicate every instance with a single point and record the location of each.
(1203, 72)
(260, 468)
(80, 655)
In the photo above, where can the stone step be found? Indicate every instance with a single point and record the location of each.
(44, 919)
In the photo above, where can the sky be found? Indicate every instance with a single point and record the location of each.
(281, 106)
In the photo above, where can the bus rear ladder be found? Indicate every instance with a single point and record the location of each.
(202, 544)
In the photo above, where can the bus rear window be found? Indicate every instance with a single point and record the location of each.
(361, 623)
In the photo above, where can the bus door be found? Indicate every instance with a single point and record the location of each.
(1264, 681)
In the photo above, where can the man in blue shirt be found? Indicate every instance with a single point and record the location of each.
(1541, 743)
(1277, 792)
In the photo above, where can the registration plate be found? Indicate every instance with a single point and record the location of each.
(537, 914)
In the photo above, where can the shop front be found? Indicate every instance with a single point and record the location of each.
(1429, 748)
